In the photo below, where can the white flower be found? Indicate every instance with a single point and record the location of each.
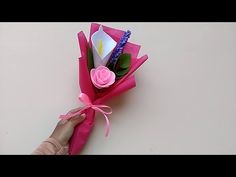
(102, 46)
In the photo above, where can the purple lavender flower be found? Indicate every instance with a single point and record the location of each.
(119, 49)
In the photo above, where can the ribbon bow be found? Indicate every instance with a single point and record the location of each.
(88, 104)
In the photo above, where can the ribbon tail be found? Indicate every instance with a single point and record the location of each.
(104, 113)
(107, 125)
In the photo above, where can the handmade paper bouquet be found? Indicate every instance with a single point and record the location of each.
(106, 68)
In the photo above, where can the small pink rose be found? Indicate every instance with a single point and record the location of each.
(102, 77)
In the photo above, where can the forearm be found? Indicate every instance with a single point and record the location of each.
(51, 147)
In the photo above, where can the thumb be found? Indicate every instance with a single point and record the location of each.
(77, 119)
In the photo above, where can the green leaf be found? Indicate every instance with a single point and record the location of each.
(90, 58)
(122, 65)
(123, 61)
(122, 72)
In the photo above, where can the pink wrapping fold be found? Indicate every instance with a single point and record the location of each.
(83, 130)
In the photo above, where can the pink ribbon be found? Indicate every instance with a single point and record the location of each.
(88, 104)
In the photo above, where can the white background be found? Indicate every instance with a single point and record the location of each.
(184, 102)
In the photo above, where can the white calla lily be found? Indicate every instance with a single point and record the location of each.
(102, 46)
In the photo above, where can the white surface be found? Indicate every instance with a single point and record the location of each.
(184, 102)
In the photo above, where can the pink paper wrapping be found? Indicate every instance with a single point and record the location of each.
(83, 130)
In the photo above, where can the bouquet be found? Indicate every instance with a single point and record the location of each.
(106, 68)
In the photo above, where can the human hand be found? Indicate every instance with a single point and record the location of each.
(65, 128)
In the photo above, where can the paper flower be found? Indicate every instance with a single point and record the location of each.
(119, 49)
(102, 77)
(102, 46)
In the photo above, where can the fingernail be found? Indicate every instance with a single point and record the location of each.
(83, 115)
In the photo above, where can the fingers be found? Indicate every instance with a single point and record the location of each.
(74, 110)
(74, 120)
(77, 119)
(63, 121)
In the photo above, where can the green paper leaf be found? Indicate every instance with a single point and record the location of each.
(124, 61)
(122, 72)
(90, 58)
(122, 65)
